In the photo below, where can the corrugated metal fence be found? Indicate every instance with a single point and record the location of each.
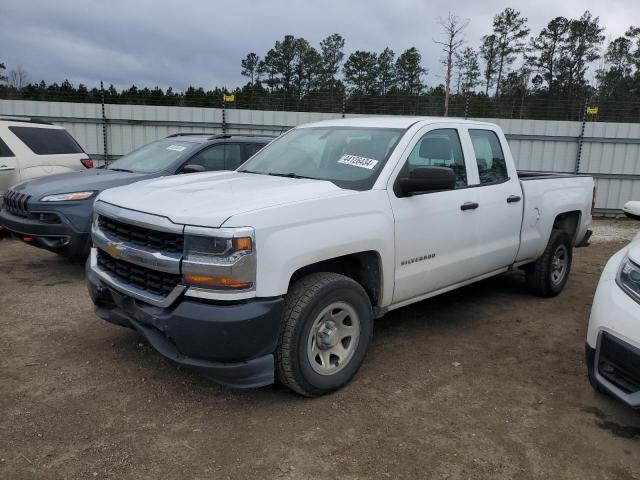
(608, 151)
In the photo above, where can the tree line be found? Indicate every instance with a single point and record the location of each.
(509, 72)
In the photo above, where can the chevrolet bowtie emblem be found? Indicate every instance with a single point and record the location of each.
(113, 249)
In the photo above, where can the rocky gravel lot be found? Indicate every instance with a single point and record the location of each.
(484, 382)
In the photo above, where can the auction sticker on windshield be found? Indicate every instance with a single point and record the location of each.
(177, 148)
(356, 161)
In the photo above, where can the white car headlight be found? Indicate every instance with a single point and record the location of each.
(219, 258)
(628, 279)
(68, 197)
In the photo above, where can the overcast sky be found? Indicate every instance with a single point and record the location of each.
(199, 42)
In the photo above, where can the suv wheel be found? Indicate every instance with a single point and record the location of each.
(327, 328)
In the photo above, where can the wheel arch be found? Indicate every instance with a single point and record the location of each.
(363, 267)
(568, 222)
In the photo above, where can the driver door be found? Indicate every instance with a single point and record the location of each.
(434, 234)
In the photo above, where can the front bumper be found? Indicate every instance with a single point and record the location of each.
(232, 344)
(614, 366)
(613, 342)
(62, 238)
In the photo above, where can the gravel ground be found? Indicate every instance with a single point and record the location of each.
(484, 382)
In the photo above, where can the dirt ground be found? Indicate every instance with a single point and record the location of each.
(484, 382)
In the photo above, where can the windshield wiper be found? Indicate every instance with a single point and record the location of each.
(292, 175)
(275, 174)
(121, 170)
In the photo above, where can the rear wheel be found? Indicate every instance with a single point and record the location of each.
(549, 274)
(327, 328)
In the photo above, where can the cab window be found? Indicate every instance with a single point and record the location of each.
(225, 156)
(492, 167)
(440, 148)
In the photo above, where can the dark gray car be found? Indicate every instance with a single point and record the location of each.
(55, 212)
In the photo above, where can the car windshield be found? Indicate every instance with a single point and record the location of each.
(154, 157)
(350, 157)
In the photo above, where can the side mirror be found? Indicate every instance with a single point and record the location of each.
(192, 169)
(428, 179)
(632, 209)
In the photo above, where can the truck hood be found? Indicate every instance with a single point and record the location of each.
(209, 199)
(92, 179)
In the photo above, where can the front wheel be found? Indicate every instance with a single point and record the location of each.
(327, 328)
(549, 274)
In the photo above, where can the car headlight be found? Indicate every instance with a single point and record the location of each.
(219, 258)
(68, 197)
(629, 279)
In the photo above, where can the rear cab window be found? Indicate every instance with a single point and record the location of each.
(47, 141)
(492, 167)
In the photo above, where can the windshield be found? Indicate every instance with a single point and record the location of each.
(350, 157)
(154, 157)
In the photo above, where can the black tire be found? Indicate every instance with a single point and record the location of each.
(306, 300)
(540, 275)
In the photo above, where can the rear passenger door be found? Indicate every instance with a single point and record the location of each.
(498, 218)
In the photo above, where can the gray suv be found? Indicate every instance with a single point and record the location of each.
(55, 212)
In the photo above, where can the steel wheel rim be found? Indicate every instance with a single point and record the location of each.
(333, 338)
(559, 263)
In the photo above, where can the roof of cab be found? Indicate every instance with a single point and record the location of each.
(391, 121)
(19, 121)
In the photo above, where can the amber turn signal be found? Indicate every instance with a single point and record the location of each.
(223, 283)
(242, 243)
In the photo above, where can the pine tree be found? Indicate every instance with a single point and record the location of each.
(409, 72)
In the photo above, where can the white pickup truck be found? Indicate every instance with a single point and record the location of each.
(278, 270)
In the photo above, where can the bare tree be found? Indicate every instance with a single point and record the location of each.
(18, 78)
(452, 28)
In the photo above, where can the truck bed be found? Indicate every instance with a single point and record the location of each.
(535, 175)
(545, 201)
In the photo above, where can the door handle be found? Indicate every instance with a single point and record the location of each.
(513, 198)
(4, 168)
(469, 206)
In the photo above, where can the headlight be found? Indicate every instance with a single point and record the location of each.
(67, 197)
(629, 279)
(219, 259)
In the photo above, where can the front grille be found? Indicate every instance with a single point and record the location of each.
(152, 281)
(17, 203)
(619, 363)
(145, 237)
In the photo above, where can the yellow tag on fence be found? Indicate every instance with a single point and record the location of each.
(592, 110)
(229, 98)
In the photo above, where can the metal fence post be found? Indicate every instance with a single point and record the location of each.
(581, 136)
(466, 106)
(224, 116)
(344, 105)
(105, 146)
